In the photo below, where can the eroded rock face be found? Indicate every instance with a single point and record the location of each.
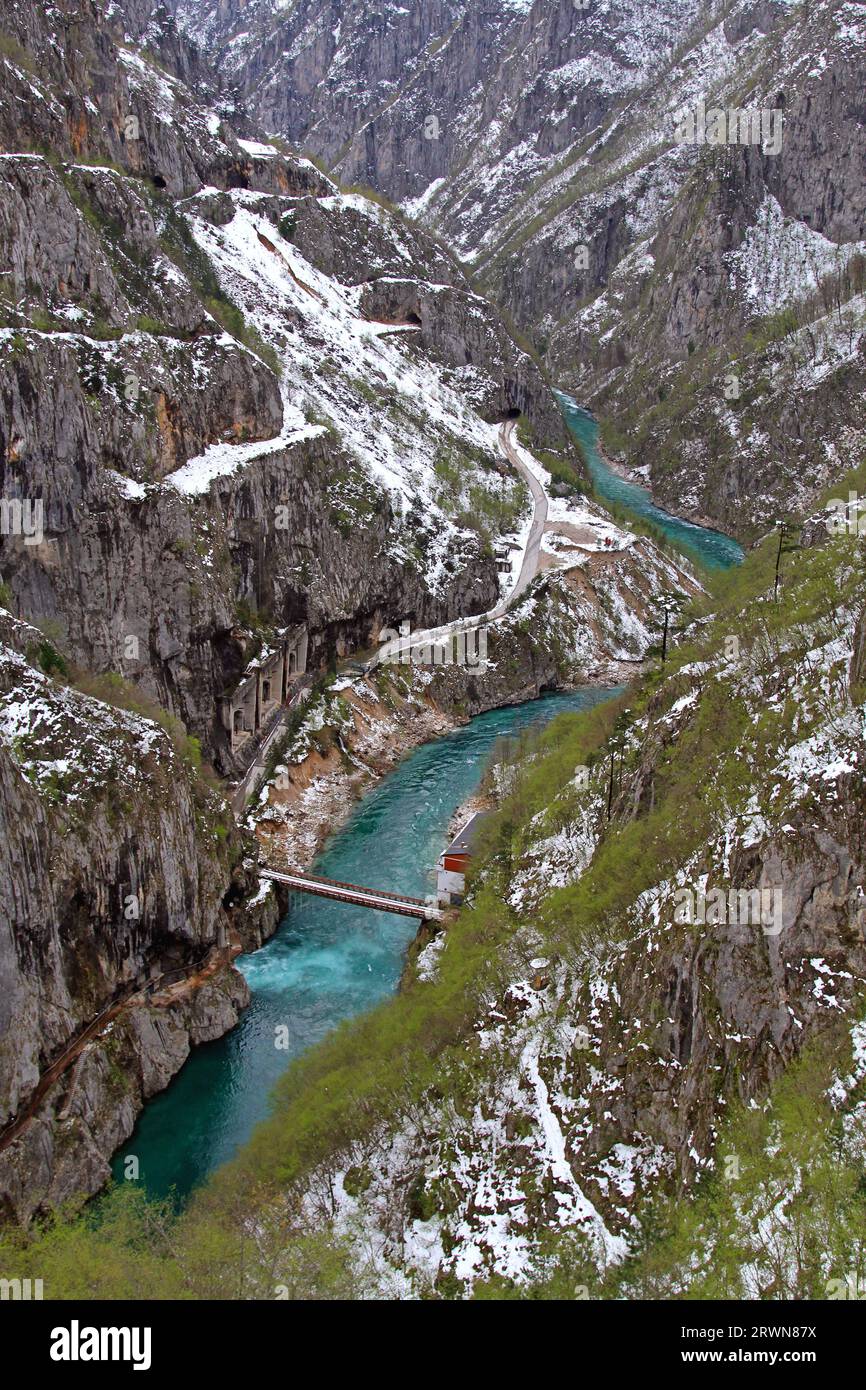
(63, 1153)
(115, 371)
(646, 271)
(113, 568)
(119, 868)
(343, 241)
(460, 329)
(399, 98)
(728, 1005)
(717, 317)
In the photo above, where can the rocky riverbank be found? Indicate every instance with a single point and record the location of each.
(353, 734)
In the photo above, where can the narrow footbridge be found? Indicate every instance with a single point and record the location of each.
(375, 898)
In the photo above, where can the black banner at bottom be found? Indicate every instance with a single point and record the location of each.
(240, 1339)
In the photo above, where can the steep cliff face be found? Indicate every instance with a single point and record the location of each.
(76, 85)
(123, 874)
(178, 296)
(727, 371)
(705, 298)
(458, 106)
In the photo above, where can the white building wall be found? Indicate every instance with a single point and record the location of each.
(449, 883)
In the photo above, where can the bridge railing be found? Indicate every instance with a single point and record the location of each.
(355, 887)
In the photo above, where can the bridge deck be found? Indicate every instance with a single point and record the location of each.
(378, 899)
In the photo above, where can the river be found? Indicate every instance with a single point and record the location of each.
(711, 548)
(330, 961)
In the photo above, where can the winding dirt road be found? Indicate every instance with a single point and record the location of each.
(528, 569)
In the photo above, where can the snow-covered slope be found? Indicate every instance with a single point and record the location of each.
(393, 411)
(454, 107)
(539, 138)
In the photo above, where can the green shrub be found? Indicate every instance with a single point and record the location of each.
(45, 655)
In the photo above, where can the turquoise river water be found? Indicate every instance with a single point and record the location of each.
(330, 961)
(713, 548)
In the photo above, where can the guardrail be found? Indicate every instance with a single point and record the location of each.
(378, 900)
(339, 883)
